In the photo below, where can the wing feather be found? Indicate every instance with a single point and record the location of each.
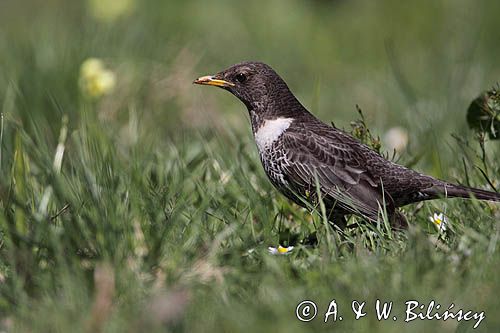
(344, 179)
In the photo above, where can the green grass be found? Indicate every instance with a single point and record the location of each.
(159, 216)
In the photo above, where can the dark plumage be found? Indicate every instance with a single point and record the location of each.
(299, 151)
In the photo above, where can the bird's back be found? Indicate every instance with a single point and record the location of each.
(301, 147)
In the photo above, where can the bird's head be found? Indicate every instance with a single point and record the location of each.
(254, 83)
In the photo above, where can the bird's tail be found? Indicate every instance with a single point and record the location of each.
(459, 191)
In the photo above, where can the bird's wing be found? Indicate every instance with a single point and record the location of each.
(330, 157)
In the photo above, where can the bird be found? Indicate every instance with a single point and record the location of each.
(308, 160)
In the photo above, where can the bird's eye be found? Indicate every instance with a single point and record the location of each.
(240, 77)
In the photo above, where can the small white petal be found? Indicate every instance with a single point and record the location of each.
(272, 250)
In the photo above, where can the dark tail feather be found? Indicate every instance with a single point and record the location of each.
(458, 191)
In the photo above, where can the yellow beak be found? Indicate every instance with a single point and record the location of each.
(211, 81)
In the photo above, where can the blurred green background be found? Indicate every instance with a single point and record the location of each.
(149, 142)
(398, 61)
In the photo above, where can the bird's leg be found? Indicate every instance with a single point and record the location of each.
(396, 218)
(398, 221)
(335, 220)
(338, 220)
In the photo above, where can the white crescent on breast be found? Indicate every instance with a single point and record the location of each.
(270, 131)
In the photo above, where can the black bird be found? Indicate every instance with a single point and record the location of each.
(300, 154)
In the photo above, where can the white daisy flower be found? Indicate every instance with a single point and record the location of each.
(280, 250)
(439, 220)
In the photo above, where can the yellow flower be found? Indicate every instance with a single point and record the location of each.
(439, 220)
(91, 67)
(95, 79)
(280, 250)
(110, 10)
